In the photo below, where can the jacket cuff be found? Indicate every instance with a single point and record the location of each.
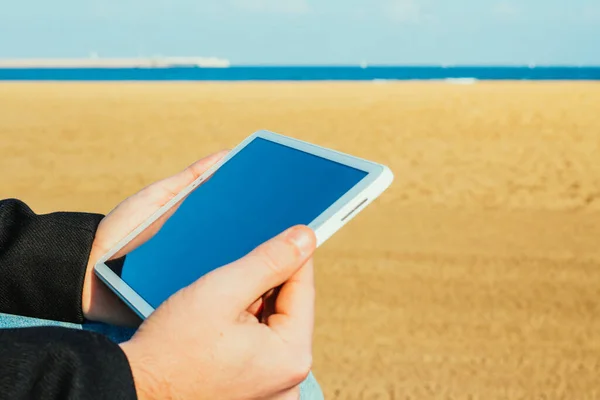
(44, 261)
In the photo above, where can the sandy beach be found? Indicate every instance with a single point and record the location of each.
(475, 276)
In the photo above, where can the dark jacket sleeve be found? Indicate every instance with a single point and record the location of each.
(43, 260)
(60, 363)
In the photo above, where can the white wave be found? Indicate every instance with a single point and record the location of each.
(383, 81)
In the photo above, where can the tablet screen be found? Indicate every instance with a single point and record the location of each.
(261, 191)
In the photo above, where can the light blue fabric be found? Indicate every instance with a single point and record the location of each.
(309, 389)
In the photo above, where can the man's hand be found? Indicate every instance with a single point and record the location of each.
(203, 343)
(98, 302)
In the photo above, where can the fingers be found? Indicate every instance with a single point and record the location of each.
(141, 206)
(294, 313)
(176, 183)
(265, 268)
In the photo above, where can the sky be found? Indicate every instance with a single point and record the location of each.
(300, 32)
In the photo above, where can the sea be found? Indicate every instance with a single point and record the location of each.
(457, 74)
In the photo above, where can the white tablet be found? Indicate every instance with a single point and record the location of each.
(264, 186)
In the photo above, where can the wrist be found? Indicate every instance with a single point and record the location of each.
(86, 293)
(92, 292)
(147, 384)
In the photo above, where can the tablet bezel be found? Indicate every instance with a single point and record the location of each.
(378, 178)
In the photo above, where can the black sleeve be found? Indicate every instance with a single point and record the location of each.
(43, 260)
(59, 363)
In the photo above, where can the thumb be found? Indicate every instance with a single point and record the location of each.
(266, 267)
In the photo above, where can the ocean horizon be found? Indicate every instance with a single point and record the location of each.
(460, 74)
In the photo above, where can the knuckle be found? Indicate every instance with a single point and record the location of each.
(191, 173)
(277, 255)
(268, 256)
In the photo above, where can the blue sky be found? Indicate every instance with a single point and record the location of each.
(308, 31)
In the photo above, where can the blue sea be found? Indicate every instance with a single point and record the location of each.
(291, 73)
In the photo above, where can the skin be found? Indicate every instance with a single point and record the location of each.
(243, 331)
(98, 302)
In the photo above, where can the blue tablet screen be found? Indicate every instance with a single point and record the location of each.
(260, 192)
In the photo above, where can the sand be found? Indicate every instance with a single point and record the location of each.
(475, 276)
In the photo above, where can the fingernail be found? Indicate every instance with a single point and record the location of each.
(302, 240)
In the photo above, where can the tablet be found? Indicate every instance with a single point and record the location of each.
(264, 186)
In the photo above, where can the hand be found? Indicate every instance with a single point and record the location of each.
(98, 302)
(203, 343)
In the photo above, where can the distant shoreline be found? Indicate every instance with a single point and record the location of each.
(153, 62)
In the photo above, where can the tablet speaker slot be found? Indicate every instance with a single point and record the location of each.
(354, 209)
